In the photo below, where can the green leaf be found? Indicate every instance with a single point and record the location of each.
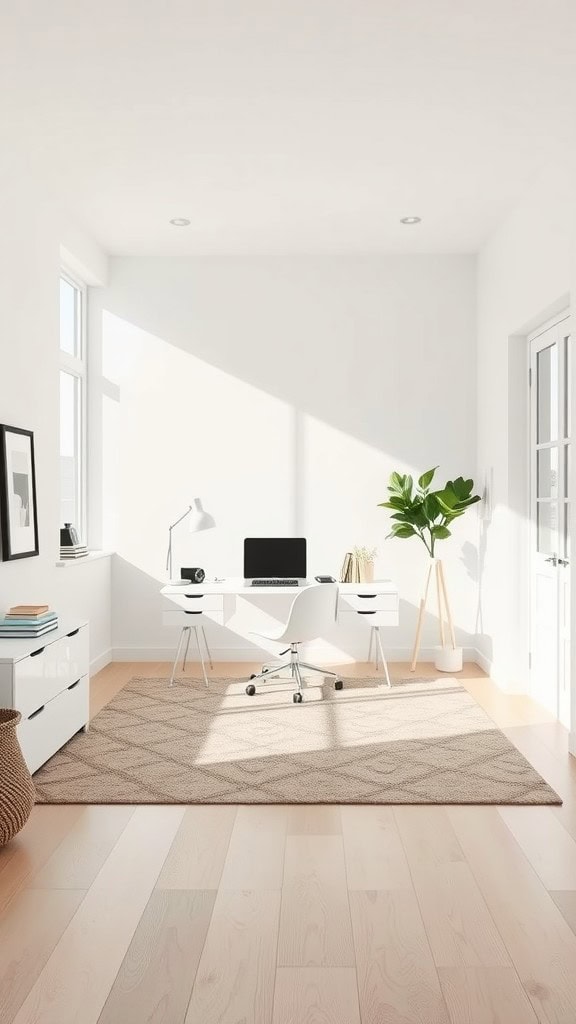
(402, 531)
(426, 479)
(396, 482)
(446, 498)
(408, 485)
(431, 507)
(440, 532)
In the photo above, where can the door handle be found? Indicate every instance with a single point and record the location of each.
(563, 561)
(553, 559)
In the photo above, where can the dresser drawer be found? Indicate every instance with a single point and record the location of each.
(53, 723)
(368, 602)
(51, 669)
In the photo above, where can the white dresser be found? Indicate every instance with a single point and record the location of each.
(47, 680)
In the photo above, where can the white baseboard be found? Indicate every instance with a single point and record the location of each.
(101, 660)
(482, 661)
(125, 652)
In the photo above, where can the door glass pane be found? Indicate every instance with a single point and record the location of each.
(547, 521)
(547, 377)
(566, 410)
(68, 318)
(548, 473)
(69, 449)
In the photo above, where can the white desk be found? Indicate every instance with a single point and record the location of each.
(376, 603)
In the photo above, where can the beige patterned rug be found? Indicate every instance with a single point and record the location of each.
(423, 741)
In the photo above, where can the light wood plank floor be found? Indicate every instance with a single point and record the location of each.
(298, 915)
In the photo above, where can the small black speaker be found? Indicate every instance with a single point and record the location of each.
(196, 575)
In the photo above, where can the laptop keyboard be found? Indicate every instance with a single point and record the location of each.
(274, 583)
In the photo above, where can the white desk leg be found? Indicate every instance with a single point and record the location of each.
(384, 662)
(201, 656)
(187, 648)
(185, 629)
(207, 648)
(370, 647)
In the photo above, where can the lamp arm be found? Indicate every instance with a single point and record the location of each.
(170, 528)
(183, 516)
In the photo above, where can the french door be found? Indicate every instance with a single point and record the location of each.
(550, 453)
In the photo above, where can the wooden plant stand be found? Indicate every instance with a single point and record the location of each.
(434, 565)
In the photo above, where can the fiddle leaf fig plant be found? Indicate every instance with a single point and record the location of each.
(420, 512)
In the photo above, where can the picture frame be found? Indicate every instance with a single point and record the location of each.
(18, 501)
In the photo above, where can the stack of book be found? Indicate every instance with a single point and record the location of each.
(73, 551)
(350, 572)
(28, 620)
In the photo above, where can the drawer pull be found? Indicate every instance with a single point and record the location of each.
(186, 612)
(74, 631)
(72, 685)
(35, 713)
(33, 654)
(372, 612)
(193, 597)
(367, 596)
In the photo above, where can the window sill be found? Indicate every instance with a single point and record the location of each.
(92, 556)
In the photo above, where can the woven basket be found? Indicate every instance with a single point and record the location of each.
(16, 786)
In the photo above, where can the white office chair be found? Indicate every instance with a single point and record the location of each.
(313, 611)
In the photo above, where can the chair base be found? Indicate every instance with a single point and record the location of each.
(295, 666)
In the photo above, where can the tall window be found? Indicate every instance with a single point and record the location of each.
(73, 403)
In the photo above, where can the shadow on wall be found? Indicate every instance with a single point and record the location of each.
(366, 345)
(283, 391)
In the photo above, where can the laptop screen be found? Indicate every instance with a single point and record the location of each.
(275, 558)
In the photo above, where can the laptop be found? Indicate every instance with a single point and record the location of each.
(274, 561)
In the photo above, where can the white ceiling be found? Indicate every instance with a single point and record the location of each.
(289, 125)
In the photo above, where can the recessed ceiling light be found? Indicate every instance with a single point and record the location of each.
(180, 222)
(410, 220)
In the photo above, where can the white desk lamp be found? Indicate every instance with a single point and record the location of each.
(199, 520)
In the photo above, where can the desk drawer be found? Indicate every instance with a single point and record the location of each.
(195, 602)
(51, 669)
(53, 724)
(195, 616)
(370, 618)
(369, 602)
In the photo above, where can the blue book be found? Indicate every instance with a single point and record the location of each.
(29, 623)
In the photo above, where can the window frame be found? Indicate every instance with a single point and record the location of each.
(77, 367)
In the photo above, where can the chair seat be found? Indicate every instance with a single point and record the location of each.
(276, 637)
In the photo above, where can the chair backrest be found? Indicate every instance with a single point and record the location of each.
(313, 612)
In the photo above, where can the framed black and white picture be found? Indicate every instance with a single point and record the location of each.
(18, 511)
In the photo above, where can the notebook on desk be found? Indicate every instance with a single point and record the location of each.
(274, 561)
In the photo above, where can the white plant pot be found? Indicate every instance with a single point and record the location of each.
(448, 659)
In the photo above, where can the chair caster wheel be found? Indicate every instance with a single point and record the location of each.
(338, 684)
(253, 676)
(251, 689)
(265, 668)
(297, 698)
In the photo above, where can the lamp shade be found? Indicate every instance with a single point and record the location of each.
(199, 519)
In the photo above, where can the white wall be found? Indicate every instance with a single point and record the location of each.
(283, 390)
(29, 388)
(526, 272)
